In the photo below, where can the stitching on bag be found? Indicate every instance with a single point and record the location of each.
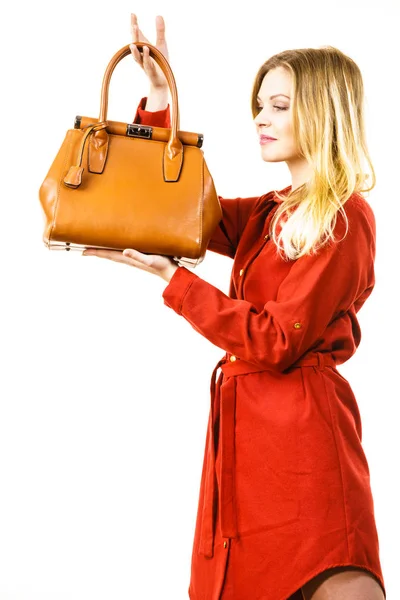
(59, 188)
(202, 204)
(88, 156)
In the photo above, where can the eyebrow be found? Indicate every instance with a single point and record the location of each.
(272, 97)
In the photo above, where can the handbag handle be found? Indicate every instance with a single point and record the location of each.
(97, 132)
(173, 155)
(164, 66)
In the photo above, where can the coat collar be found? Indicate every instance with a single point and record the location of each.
(271, 197)
(284, 191)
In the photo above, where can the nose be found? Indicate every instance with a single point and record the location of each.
(260, 119)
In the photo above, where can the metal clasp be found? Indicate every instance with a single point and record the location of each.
(142, 131)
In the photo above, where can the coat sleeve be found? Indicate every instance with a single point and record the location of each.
(316, 290)
(235, 211)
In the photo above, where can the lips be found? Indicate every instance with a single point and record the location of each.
(266, 137)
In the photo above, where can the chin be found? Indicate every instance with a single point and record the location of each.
(272, 159)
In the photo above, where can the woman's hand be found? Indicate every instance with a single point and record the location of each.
(153, 71)
(157, 264)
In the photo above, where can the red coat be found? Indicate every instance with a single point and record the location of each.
(285, 488)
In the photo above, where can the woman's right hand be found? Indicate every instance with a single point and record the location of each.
(156, 76)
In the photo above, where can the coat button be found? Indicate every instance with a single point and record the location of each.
(232, 358)
(297, 325)
(266, 237)
(241, 272)
(225, 544)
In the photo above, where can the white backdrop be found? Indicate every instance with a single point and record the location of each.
(104, 389)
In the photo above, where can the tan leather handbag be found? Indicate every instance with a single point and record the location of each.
(120, 185)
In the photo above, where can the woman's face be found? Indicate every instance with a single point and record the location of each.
(275, 117)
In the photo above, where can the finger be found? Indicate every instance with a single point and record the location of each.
(137, 55)
(135, 33)
(140, 34)
(146, 56)
(134, 28)
(136, 256)
(147, 64)
(110, 254)
(160, 28)
(117, 256)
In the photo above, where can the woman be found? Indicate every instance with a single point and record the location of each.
(285, 507)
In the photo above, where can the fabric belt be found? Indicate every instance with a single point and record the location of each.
(226, 441)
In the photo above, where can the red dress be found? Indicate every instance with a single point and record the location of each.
(285, 487)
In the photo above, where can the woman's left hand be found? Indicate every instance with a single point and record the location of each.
(160, 265)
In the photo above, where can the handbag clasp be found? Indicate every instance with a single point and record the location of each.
(142, 131)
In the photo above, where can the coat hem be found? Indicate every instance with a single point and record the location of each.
(308, 578)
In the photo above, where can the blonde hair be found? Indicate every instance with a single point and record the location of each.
(328, 121)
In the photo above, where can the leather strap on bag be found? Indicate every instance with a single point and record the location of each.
(73, 179)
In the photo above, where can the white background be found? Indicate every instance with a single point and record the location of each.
(104, 389)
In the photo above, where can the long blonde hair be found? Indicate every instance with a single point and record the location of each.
(329, 127)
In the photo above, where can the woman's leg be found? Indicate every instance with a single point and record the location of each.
(343, 583)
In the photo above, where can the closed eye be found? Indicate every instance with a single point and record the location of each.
(278, 107)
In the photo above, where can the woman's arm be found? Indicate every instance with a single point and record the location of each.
(317, 289)
(155, 110)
